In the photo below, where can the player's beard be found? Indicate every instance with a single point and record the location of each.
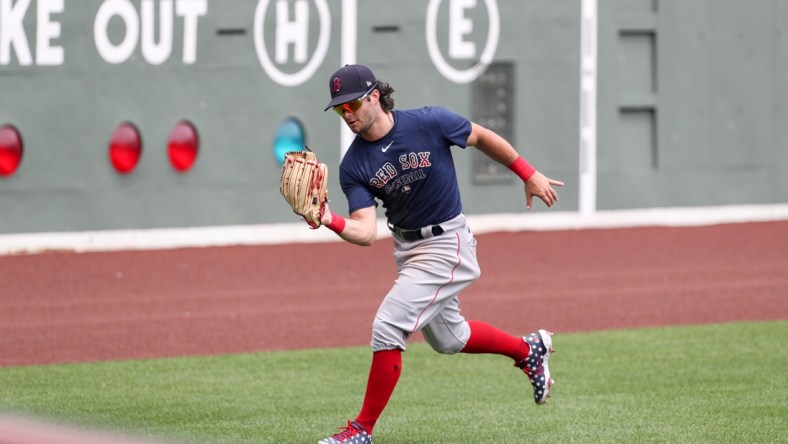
(358, 127)
(359, 124)
(365, 121)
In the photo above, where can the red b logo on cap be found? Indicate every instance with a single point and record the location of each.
(337, 84)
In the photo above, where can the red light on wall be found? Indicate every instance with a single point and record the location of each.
(10, 150)
(125, 148)
(182, 146)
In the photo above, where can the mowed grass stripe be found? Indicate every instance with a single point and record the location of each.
(695, 384)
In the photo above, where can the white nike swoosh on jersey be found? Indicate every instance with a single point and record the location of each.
(387, 146)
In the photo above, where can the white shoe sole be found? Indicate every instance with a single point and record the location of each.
(548, 344)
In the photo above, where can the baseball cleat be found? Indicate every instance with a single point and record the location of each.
(352, 433)
(535, 364)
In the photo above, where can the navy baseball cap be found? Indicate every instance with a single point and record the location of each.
(349, 83)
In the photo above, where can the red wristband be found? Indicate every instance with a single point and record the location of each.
(337, 224)
(522, 168)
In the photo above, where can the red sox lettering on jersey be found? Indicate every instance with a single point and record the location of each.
(389, 177)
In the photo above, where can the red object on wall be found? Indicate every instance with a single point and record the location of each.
(182, 146)
(11, 149)
(125, 148)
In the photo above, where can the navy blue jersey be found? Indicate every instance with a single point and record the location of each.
(410, 170)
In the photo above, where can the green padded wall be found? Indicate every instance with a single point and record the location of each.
(691, 102)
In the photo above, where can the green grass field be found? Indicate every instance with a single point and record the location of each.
(698, 384)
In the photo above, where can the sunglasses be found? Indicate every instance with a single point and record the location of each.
(353, 105)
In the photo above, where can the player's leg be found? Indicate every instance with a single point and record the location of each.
(448, 332)
(485, 338)
(530, 353)
(430, 273)
(383, 377)
(384, 374)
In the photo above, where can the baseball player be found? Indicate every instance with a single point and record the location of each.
(404, 159)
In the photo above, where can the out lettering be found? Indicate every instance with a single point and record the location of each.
(154, 52)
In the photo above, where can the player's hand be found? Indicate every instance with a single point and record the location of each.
(542, 187)
(326, 219)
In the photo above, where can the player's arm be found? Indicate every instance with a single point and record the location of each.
(501, 151)
(361, 228)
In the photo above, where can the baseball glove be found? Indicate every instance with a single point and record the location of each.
(304, 185)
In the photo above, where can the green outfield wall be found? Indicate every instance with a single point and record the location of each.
(692, 100)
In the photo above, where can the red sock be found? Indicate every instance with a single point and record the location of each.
(487, 339)
(383, 376)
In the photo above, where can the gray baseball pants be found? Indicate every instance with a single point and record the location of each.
(431, 274)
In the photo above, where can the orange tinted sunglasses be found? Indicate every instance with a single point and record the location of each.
(353, 105)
